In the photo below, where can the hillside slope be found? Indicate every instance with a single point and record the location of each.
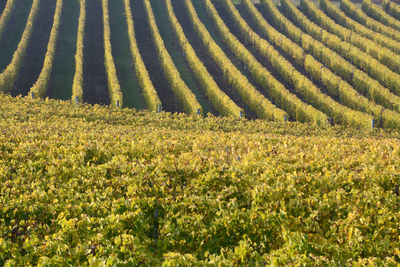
(253, 59)
(97, 184)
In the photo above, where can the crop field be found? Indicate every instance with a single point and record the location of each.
(105, 186)
(308, 61)
(199, 133)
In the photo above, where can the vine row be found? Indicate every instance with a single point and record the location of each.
(375, 12)
(333, 83)
(150, 94)
(392, 8)
(114, 87)
(259, 104)
(39, 89)
(5, 16)
(356, 13)
(10, 74)
(77, 86)
(341, 18)
(359, 58)
(357, 78)
(302, 84)
(382, 54)
(351, 25)
(218, 98)
(181, 90)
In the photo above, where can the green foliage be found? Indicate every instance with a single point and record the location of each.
(101, 186)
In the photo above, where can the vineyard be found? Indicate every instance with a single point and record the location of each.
(199, 133)
(111, 187)
(319, 63)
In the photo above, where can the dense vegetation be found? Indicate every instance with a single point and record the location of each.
(313, 178)
(105, 185)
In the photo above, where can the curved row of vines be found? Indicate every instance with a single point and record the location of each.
(339, 67)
